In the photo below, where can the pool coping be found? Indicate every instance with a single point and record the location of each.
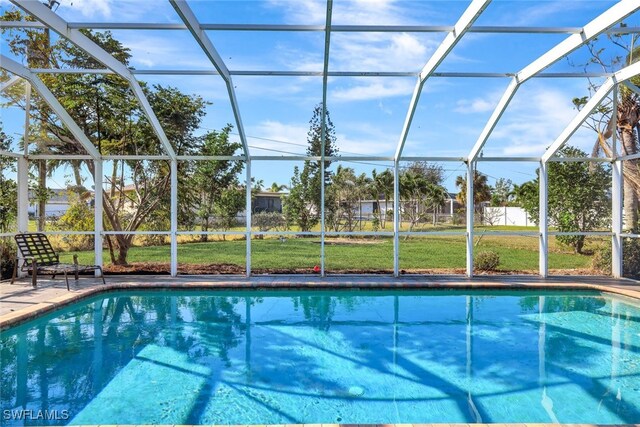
(18, 317)
(626, 288)
(380, 425)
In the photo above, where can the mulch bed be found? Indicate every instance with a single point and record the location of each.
(144, 268)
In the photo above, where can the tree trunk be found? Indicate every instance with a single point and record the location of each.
(112, 255)
(123, 250)
(630, 202)
(75, 165)
(124, 244)
(42, 201)
(579, 244)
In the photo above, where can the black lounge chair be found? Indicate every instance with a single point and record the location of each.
(40, 258)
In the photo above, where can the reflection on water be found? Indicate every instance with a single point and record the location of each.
(320, 357)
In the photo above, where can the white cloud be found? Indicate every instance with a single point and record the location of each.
(90, 8)
(373, 88)
(476, 105)
(371, 142)
(534, 120)
(357, 12)
(157, 50)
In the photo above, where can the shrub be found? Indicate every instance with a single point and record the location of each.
(79, 217)
(631, 258)
(154, 223)
(7, 257)
(486, 261)
(266, 221)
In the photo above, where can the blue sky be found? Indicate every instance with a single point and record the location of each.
(368, 113)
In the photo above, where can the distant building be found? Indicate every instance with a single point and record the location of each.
(266, 201)
(57, 205)
(367, 208)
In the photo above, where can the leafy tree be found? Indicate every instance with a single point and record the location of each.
(502, 193)
(226, 207)
(211, 178)
(578, 200)
(481, 189)
(345, 194)
(105, 109)
(295, 207)
(8, 207)
(78, 217)
(303, 204)
(8, 187)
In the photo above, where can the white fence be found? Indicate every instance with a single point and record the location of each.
(506, 215)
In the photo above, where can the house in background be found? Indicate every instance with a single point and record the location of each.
(367, 208)
(267, 201)
(57, 205)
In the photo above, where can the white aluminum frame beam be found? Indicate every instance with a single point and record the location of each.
(194, 27)
(323, 131)
(473, 11)
(318, 28)
(9, 83)
(290, 73)
(60, 26)
(622, 75)
(632, 87)
(597, 26)
(18, 69)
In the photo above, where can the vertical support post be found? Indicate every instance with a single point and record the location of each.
(23, 194)
(27, 116)
(174, 217)
(248, 215)
(614, 117)
(323, 130)
(470, 208)
(23, 200)
(616, 218)
(544, 220)
(396, 218)
(97, 205)
(323, 273)
(617, 185)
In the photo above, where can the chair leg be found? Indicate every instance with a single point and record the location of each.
(15, 271)
(34, 274)
(102, 276)
(66, 279)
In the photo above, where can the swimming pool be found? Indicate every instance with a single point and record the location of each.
(274, 357)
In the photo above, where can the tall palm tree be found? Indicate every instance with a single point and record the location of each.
(276, 188)
(628, 130)
(383, 186)
(481, 189)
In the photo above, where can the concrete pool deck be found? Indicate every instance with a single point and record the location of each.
(20, 302)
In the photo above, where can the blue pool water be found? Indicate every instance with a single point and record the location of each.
(326, 357)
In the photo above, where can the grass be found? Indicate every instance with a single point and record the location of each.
(517, 253)
(447, 252)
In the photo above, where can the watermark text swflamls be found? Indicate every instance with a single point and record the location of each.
(30, 414)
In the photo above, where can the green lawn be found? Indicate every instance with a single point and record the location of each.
(517, 253)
